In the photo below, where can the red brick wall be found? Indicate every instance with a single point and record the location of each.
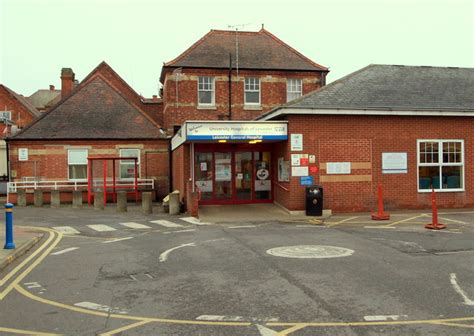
(181, 173)
(361, 140)
(47, 160)
(185, 106)
(20, 114)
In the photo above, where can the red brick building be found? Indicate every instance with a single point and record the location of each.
(100, 117)
(230, 75)
(407, 128)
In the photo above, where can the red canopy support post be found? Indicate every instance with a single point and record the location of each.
(113, 181)
(105, 183)
(136, 179)
(89, 181)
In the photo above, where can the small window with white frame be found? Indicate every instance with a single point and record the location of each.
(5, 115)
(206, 92)
(294, 89)
(77, 164)
(127, 167)
(252, 91)
(441, 165)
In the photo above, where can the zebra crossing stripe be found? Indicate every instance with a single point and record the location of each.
(166, 223)
(134, 225)
(66, 229)
(101, 227)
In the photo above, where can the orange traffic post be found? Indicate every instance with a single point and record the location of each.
(380, 215)
(434, 225)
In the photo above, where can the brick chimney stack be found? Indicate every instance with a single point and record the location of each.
(67, 81)
(51, 88)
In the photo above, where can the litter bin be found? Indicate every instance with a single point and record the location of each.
(314, 201)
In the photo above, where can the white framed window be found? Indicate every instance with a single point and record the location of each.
(252, 91)
(77, 164)
(5, 115)
(127, 167)
(440, 165)
(206, 91)
(294, 89)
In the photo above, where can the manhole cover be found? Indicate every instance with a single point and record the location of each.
(310, 251)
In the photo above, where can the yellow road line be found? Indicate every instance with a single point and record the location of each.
(20, 266)
(452, 220)
(404, 220)
(26, 332)
(33, 264)
(124, 328)
(291, 330)
(454, 324)
(341, 221)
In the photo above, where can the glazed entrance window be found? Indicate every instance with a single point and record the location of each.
(263, 182)
(243, 175)
(203, 169)
(441, 165)
(223, 177)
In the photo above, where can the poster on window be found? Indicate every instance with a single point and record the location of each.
(263, 185)
(283, 170)
(223, 173)
(394, 163)
(204, 186)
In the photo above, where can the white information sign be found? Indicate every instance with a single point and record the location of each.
(263, 185)
(299, 171)
(23, 154)
(296, 142)
(295, 159)
(283, 170)
(338, 168)
(394, 163)
(204, 186)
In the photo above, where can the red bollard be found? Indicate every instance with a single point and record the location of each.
(380, 215)
(434, 225)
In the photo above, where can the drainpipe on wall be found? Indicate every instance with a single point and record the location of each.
(230, 86)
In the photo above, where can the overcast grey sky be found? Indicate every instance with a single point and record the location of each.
(38, 38)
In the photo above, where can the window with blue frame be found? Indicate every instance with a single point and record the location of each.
(441, 165)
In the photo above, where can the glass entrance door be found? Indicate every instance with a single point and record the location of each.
(243, 168)
(223, 175)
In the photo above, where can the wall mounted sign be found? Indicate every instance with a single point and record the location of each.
(338, 167)
(304, 161)
(394, 163)
(312, 159)
(295, 159)
(306, 180)
(263, 185)
(299, 171)
(23, 154)
(236, 131)
(313, 169)
(296, 142)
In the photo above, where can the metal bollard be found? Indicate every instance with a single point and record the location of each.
(9, 244)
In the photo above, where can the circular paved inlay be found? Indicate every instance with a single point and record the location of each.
(310, 251)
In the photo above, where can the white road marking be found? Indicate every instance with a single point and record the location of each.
(116, 240)
(459, 290)
(65, 251)
(264, 331)
(165, 223)
(32, 284)
(231, 318)
(194, 220)
(134, 225)
(99, 307)
(242, 227)
(178, 231)
(452, 252)
(101, 227)
(373, 318)
(452, 220)
(164, 255)
(66, 229)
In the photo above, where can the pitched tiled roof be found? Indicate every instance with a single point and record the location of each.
(256, 50)
(22, 100)
(95, 110)
(393, 87)
(44, 98)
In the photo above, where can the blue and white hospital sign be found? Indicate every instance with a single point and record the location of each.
(236, 131)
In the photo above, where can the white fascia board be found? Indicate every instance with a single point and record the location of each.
(430, 113)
